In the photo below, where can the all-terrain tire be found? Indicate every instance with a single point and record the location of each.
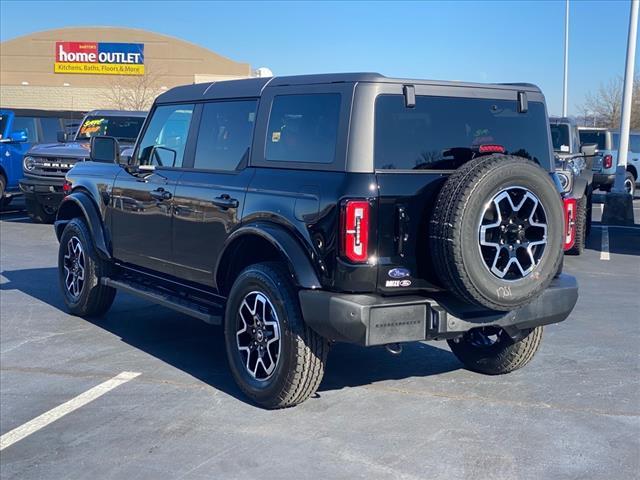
(38, 213)
(92, 298)
(454, 232)
(502, 356)
(630, 183)
(581, 227)
(299, 366)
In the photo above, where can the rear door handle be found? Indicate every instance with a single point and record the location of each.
(225, 202)
(160, 194)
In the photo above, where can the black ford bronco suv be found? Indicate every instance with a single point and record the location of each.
(45, 165)
(301, 211)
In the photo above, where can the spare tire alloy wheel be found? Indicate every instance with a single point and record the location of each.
(513, 233)
(258, 335)
(74, 264)
(496, 232)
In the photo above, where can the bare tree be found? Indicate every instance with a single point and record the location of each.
(606, 103)
(132, 92)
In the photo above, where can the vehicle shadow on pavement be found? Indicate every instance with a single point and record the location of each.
(197, 349)
(622, 241)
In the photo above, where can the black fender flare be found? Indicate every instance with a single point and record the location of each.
(69, 209)
(298, 261)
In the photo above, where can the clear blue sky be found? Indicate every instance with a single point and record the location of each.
(500, 41)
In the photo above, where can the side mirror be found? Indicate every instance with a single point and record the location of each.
(18, 137)
(163, 156)
(588, 149)
(105, 150)
(62, 137)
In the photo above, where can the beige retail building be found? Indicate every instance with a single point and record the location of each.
(86, 68)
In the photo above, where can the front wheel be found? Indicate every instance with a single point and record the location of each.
(275, 358)
(492, 351)
(80, 272)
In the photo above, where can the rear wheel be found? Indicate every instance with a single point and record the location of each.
(492, 351)
(581, 227)
(275, 358)
(630, 183)
(496, 232)
(80, 271)
(40, 213)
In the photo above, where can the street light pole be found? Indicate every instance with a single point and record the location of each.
(618, 205)
(566, 60)
(625, 121)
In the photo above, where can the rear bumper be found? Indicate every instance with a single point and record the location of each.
(376, 320)
(603, 179)
(44, 190)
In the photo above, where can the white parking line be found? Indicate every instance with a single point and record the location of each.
(60, 411)
(604, 250)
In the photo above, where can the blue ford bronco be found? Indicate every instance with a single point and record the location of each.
(301, 211)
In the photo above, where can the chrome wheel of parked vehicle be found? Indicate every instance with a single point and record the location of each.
(513, 233)
(630, 184)
(74, 267)
(258, 335)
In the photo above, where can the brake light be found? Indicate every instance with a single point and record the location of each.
(607, 161)
(66, 188)
(491, 149)
(570, 210)
(355, 230)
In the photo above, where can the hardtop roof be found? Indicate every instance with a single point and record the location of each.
(253, 87)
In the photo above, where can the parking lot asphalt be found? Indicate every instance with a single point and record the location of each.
(573, 413)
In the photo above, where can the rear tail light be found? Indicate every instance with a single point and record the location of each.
(607, 161)
(491, 149)
(570, 210)
(355, 230)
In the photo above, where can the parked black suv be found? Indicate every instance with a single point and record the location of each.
(300, 211)
(45, 165)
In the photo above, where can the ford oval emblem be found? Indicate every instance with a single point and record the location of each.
(399, 273)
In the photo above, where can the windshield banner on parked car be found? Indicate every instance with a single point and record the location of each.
(99, 58)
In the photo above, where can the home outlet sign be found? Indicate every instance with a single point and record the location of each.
(99, 58)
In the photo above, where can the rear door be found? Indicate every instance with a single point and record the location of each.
(142, 201)
(211, 192)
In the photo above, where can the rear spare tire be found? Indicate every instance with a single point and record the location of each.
(496, 232)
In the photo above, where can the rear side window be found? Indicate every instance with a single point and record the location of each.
(26, 125)
(560, 137)
(303, 128)
(599, 137)
(445, 132)
(634, 143)
(225, 134)
(50, 127)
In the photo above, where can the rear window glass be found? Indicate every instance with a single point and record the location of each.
(123, 128)
(303, 128)
(560, 137)
(598, 137)
(445, 132)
